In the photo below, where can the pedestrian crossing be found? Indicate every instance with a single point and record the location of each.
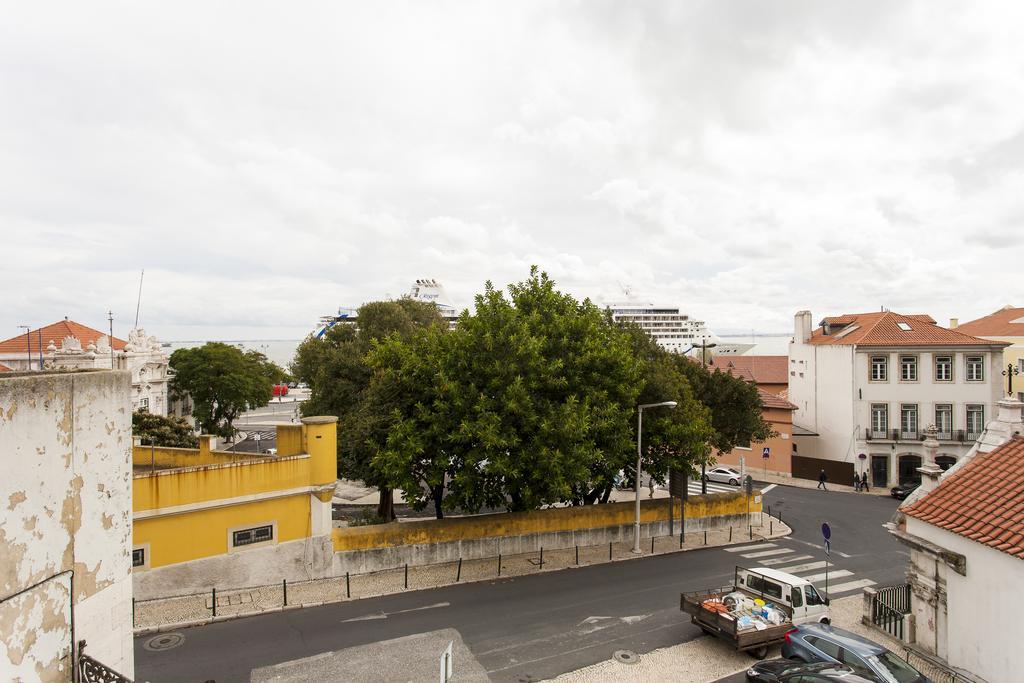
(805, 566)
(693, 488)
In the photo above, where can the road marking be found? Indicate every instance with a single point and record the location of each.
(766, 553)
(385, 615)
(852, 585)
(802, 567)
(782, 560)
(820, 547)
(831, 575)
(741, 548)
(768, 488)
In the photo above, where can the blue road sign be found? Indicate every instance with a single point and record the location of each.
(826, 531)
(766, 452)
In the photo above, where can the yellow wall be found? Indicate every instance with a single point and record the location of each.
(204, 533)
(538, 521)
(145, 456)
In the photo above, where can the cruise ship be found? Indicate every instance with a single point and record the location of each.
(426, 289)
(674, 331)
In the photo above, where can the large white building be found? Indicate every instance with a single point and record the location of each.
(65, 523)
(674, 331)
(866, 385)
(68, 345)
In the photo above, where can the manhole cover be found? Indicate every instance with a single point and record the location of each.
(164, 641)
(626, 656)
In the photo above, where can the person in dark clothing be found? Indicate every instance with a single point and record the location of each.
(822, 478)
(856, 482)
(864, 482)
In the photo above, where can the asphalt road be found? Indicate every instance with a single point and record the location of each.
(535, 627)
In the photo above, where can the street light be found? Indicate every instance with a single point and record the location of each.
(28, 339)
(639, 428)
(703, 346)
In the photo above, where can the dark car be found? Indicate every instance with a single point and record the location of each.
(825, 643)
(905, 489)
(785, 670)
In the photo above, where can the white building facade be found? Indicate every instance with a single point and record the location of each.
(867, 385)
(674, 331)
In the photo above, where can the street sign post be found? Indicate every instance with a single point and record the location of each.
(826, 532)
(446, 663)
(256, 438)
(766, 453)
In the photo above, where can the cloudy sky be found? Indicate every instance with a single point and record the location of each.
(268, 162)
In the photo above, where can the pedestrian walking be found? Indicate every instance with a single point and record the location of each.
(864, 482)
(822, 478)
(650, 485)
(856, 482)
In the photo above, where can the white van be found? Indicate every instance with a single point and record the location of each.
(799, 595)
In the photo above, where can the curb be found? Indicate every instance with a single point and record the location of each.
(783, 531)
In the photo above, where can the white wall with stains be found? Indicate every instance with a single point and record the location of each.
(65, 522)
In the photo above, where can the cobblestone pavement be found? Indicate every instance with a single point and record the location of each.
(707, 658)
(164, 612)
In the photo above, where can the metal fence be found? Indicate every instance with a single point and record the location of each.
(935, 669)
(889, 607)
(224, 601)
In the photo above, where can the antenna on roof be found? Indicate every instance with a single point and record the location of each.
(138, 302)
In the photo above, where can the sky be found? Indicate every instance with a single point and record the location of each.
(266, 163)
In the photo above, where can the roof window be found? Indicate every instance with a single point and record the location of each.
(905, 326)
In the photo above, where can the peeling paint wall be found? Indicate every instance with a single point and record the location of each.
(65, 506)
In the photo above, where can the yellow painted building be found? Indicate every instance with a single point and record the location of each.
(195, 510)
(1005, 325)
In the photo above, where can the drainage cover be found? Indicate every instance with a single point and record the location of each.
(626, 656)
(164, 641)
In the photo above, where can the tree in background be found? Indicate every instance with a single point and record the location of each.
(158, 430)
(223, 382)
(335, 368)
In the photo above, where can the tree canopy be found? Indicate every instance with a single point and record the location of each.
(223, 382)
(158, 430)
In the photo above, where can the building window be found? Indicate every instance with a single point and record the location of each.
(944, 420)
(943, 368)
(908, 421)
(908, 368)
(139, 557)
(879, 420)
(143, 404)
(879, 368)
(259, 534)
(975, 368)
(975, 421)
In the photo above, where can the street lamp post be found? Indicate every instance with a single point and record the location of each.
(28, 340)
(636, 483)
(703, 346)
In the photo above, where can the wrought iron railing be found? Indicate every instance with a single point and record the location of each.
(935, 669)
(92, 671)
(889, 607)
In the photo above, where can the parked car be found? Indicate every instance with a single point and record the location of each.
(826, 643)
(723, 475)
(786, 670)
(905, 489)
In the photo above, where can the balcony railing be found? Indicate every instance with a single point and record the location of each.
(909, 435)
(956, 436)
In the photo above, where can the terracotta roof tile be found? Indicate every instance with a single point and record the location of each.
(982, 500)
(1006, 322)
(56, 332)
(884, 329)
(4, 368)
(758, 369)
(770, 400)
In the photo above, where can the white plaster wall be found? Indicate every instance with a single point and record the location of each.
(825, 392)
(983, 625)
(65, 440)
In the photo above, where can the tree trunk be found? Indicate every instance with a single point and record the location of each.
(437, 493)
(607, 494)
(386, 506)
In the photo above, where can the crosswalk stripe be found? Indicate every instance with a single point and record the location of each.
(838, 574)
(802, 567)
(852, 585)
(741, 548)
(782, 560)
(766, 553)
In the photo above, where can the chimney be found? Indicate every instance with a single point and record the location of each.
(802, 326)
(954, 323)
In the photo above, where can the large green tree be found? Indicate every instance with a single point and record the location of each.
(223, 382)
(339, 377)
(159, 430)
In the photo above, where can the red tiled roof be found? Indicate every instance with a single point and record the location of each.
(983, 501)
(759, 369)
(4, 368)
(1006, 322)
(882, 329)
(770, 400)
(56, 332)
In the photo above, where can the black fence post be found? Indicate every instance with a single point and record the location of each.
(705, 537)
(577, 555)
(499, 564)
(348, 586)
(730, 534)
(214, 602)
(541, 565)
(458, 574)
(133, 612)
(750, 530)
(652, 545)
(771, 527)
(609, 551)
(681, 534)
(284, 588)
(406, 574)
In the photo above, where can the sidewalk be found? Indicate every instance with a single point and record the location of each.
(813, 484)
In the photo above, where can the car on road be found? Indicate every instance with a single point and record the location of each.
(786, 671)
(826, 643)
(905, 489)
(723, 475)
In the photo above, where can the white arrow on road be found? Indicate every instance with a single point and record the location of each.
(385, 615)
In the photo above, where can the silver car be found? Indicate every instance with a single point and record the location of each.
(723, 475)
(824, 643)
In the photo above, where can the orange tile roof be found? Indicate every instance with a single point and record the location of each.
(882, 329)
(56, 332)
(759, 369)
(1006, 322)
(770, 400)
(4, 368)
(982, 501)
